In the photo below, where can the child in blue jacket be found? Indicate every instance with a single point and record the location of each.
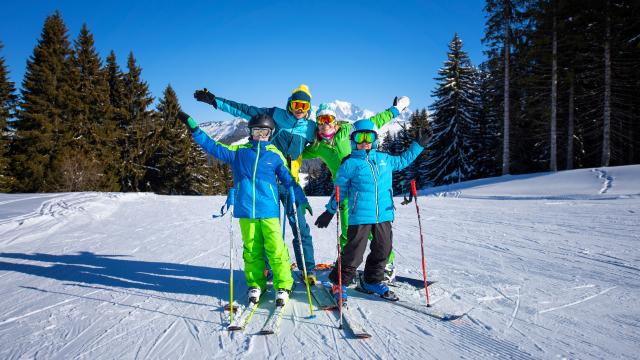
(255, 167)
(365, 179)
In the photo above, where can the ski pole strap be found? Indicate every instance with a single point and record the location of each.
(230, 202)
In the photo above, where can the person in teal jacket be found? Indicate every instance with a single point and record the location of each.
(255, 166)
(365, 179)
(332, 144)
(293, 131)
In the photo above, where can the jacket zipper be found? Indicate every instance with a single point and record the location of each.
(255, 168)
(375, 183)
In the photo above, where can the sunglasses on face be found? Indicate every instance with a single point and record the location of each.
(364, 136)
(325, 119)
(260, 132)
(300, 105)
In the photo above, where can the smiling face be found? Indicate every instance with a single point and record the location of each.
(327, 129)
(364, 146)
(299, 114)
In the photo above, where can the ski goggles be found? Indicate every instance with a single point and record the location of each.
(260, 132)
(364, 136)
(325, 119)
(300, 105)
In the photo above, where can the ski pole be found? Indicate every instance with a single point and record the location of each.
(230, 203)
(339, 254)
(292, 198)
(414, 192)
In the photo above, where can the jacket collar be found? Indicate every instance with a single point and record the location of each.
(361, 154)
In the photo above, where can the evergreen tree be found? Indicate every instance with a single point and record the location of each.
(319, 182)
(486, 141)
(45, 113)
(454, 118)
(137, 128)
(167, 167)
(501, 26)
(87, 156)
(8, 101)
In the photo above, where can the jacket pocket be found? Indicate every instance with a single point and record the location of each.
(355, 201)
(273, 195)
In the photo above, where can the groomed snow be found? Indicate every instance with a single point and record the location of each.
(545, 266)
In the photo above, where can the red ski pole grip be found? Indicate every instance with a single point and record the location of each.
(414, 192)
(338, 196)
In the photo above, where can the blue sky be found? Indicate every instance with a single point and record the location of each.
(256, 52)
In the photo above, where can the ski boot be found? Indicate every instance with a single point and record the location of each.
(335, 291)
(389, 273)
(282, 296)
(378, 288)
(253, 294)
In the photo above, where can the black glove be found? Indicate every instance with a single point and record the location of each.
(324, 219)
(206, 97)
(188, 120)
(423, 135)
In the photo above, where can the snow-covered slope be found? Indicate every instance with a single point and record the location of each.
(545, 266)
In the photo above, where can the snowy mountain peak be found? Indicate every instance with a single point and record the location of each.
(235, 129)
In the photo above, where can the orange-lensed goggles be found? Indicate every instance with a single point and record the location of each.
(300, 105)
(325, 119)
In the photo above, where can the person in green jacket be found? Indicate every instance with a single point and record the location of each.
(333, 144)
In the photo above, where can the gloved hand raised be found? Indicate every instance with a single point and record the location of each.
(324, 219)
(188, 120)
(424, 135)
(401, 103)
(206, 97)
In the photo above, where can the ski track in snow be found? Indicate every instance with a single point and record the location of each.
(102, 276)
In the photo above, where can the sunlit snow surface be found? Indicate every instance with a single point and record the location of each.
(545, 265)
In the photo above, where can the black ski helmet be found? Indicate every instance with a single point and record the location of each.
(262, 121)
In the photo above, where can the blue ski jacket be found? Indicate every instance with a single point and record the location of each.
(365, 178)
(290, 136)
(255, 167)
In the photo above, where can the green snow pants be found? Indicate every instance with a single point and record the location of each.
(344, 227)
(263, 236)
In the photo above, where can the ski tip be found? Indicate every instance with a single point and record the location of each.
(363, 336)
(266, 332)
(312, 316)
(234, 328)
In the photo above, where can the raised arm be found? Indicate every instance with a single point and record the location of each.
(219, 151)
(399, 104)
(401, 161)
(234, 108)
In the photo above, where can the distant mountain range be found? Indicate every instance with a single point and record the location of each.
(235, 130)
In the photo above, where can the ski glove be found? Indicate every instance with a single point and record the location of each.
(324, 219)
(401, 103)
(306, 207)
(206, 97)
(188, 120)
(424, 135)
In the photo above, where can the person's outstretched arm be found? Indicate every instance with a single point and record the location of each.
(220, 151)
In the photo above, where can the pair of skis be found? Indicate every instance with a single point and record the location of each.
(270, 327)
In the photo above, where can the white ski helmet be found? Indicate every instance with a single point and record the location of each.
(325, 109)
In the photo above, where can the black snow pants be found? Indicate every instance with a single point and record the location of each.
(353, 252)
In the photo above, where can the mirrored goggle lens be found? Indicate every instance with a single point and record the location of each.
(361, 137)
(300, 105)
(325, 119)
(260, 131)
